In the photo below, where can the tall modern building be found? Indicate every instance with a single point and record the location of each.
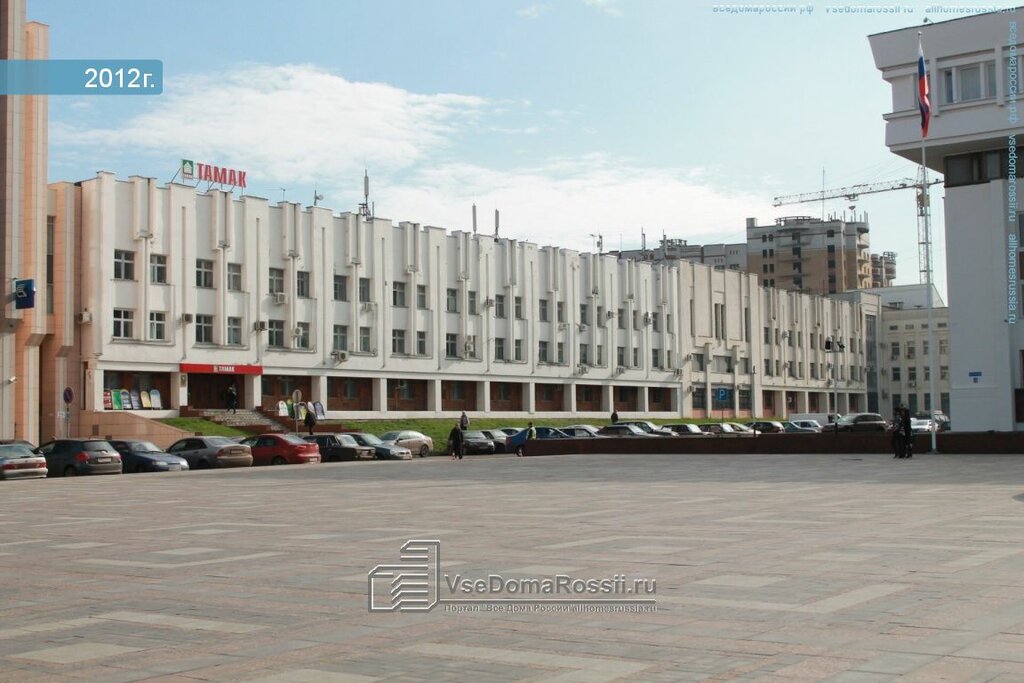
(23, 236)
(974, 83)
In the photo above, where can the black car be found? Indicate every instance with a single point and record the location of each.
(146, 456)
(338, 447)
(497, 437)
(859, 422)
(476, 443)
(73, 457)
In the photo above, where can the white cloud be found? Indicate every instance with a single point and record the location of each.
(607, 6)
(293, 122)
(532, 11)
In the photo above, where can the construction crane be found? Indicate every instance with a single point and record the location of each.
(853, 192)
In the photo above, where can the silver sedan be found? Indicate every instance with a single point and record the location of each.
(18, 461)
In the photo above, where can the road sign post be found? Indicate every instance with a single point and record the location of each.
(296, 400)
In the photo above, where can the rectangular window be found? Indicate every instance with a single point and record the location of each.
(895, 351)
(398, 341)
(561, 353)
(451, 345)
(542, 310)
(235, 277)
(499, 348)
(943, 347)
(158, 269)
(517, 347)
(600, 316)
(584, 314)
(911, 351)
(518, 302)
(472, 302)
(204, 329)
(276, 282)
(656, 358)
(912, 374)
(398, 295)
(924, 347)
(123, 320)
(620, 315)
(599, 356)
(585, 354)
(927, 373)
(275, 333)
(364, 340)
(451, 300)
(560, 311)
(339, 340)
(302, 284)
(234, 331)
(699, 399)
(744, 397)
(699, 363)
(896, 374)
(636, 357)
(341, 288)
(542, 352)
(421, 343)
(204, 273)
(620, 356)
(421, 297)
(499, 305)
(157, 325)
(302, 336)
(364, 290)
(124, 264)
(656, 322)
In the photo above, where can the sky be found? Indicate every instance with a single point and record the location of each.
(573, 118)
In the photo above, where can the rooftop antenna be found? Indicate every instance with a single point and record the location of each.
(365, 209)
(317, 197)
(474, 218)
(600, 243)
(283, 193)
(496, 223)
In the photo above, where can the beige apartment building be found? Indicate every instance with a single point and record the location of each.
(24, 248)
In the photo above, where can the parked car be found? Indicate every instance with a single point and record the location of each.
(338, 447)
(793, 428)
(476, 443)
(742, 429)
(812, 425)
(204, 452)
(497, 437)
(859, 422)
(146, 456)
(767, 426)
(509, 431)
(686, 429)
(381, 450)
(622, 429)
(514, 443)
(649, 427)
(18, 461)
(282, 449)
(73, 457)
(581, 431)
(719, 429)
(417, 442)
(919, 426)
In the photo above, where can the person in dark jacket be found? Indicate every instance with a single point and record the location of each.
(310, 421)
(455, 441)
(232, 399)
(908, 433)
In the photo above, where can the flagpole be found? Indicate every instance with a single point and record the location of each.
(925, 210)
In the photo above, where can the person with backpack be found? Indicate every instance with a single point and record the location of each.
(455, 441)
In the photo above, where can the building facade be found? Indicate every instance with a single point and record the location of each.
(184, 292)
(24, 248)
(973, 72)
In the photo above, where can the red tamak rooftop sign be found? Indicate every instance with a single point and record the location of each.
(194, 170)
(208, 369)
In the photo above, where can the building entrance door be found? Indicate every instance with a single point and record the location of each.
(210, 390)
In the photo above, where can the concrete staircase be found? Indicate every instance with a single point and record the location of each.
(251, 421)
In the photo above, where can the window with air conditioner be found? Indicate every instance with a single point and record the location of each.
(275, 283)
(339, 338)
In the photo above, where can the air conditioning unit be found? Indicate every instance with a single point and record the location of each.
(297, 332)
(912, 385)
(259, 326)
(610, 314)
(488, 302)
(84, 317)
(186, 318)
(582, 369)
(563, 326)
(647, 318)
(582, 327)
(280, 298)
(678, 372)
(619, 369)
(223, 244)
(464, 275)
(292, 253)
(339, 355)
(367, 306)
(355, 261)
(469, 345)
(594, 291)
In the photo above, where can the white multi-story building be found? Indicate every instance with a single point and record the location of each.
(974, 77)
(188, 292)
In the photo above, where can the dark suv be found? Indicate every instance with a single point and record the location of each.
(859, 422)
(73, 457)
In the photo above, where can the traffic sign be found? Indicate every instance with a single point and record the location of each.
(723, 395)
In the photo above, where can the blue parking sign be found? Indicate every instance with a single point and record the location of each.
(24, 293)
(723, 395)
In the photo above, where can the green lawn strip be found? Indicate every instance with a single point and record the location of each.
(201, 426)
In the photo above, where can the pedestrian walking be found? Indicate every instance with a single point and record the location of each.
(908, 433)
(464, 421)
(615, 416)
(232, 399)
(455, 441)
(310, 421)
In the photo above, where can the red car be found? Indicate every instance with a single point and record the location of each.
(281, 449)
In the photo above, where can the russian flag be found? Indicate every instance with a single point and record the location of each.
(923, 104)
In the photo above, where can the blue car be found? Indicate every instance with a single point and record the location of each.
(145, 456)
(514, 443)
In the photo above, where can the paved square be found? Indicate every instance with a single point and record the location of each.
(768, 568)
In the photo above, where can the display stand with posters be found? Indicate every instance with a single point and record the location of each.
(126, 399)
(136, 399)
(318, 408)
(115, 395)
(154, 398)
(144, 397)
(282, 409)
